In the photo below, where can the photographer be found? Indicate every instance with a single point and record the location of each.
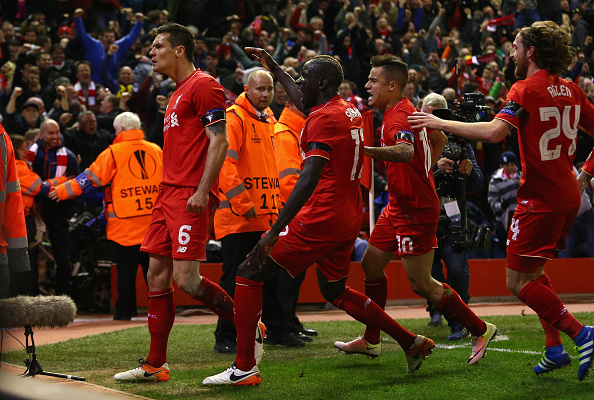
(455, 165)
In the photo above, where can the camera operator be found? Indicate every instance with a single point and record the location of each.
(454, 166)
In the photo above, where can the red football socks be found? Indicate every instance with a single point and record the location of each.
(552, 334)
(248, 309)
(161, 314)
(364, 310)
(549, 307)
(452, 306)
(215, 298)
(377, 291)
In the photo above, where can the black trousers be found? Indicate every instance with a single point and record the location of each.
(27, 283)
(235, 247)
(58, 236)
(127, 259)
(280, 295)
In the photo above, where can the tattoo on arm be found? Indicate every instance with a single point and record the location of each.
(218, 128)
(401, 152)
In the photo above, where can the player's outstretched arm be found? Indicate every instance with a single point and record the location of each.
(283, 77)
(304, 188)
(400, 152)
(493, 131)
(217, 151)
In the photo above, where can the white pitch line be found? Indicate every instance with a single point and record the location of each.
(498, 338)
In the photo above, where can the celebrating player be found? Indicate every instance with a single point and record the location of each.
(547, 111)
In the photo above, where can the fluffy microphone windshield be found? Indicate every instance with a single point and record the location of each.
(39, 311)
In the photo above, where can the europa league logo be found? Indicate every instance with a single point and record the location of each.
(142, 165)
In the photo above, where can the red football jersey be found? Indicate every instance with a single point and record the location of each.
(334, 211)
(185, 142)
(553, 108)
(412, 195)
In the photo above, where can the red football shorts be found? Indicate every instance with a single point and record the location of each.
(296, 252)
(537, 235)
(403, 239)
(175, 232)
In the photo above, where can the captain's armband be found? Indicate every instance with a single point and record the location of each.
(513, 109)
(212, 116)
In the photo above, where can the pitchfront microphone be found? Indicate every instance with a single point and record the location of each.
(40, 311)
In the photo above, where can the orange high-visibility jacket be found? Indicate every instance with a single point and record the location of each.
(287, 150)
(131, 169)
(249, 177)
(32, 185)
(13, 239)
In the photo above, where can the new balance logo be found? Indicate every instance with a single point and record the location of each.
(182, 249)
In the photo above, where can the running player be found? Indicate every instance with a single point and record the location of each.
(412, 213)
(547, 111)
(320, 221)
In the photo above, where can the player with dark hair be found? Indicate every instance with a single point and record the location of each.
(412, 214)
(195, 146)
(547, 111)
(319, 222)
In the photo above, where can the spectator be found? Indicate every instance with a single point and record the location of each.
(97, 49)
(346, 92)
(27, 119)
(86, 141)
(60, 66)
(125, 81)
(50, 159)
(85, 87)
(503, 188)
(32, 187)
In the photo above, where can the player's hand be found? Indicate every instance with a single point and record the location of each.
(419, 120)
(446, 165)
(583, 180)
(263, 57)
(262, 250)
(78, 12)
(251, 213)
(465, 167)
(197, 203)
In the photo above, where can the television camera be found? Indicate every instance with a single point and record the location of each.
(464, 235)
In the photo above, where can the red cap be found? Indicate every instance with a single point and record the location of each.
(65, 30)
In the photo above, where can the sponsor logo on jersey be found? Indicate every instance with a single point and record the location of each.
(182, 249)
(353, 113)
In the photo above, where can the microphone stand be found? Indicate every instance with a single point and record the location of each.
(33, 366)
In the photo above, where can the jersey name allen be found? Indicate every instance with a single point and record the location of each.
(138, 191)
